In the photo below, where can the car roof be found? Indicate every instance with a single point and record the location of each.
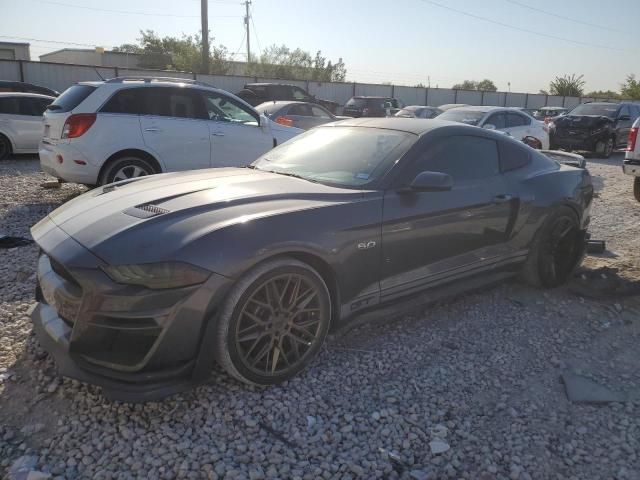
(26, 94)
(284, 103)
(417, 126)
(266, 84)
(369, 96)
(607, 103)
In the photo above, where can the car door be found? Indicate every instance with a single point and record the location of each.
(623, 125)
(237, 137)
(428, 237)
(518, 125)
(31, 110)
(174, 127)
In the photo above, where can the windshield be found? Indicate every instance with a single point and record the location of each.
(344, 156)
(470, 117)
(593, 109)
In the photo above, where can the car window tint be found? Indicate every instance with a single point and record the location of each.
(26, 106)
(513, 156)
(72, 97)
(624, 111)
(40, 105)
(497, 119)
(128, 101)
(517, 120)
(319, 112)
(224, 109)
(464, 157)
(170, 102)
(635, 112)
(280, 92)
(9, 105)
(300, 110)
(299, 94)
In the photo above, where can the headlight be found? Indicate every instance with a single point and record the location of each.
(157, 275)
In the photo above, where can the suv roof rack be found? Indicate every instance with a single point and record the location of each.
(158, 79)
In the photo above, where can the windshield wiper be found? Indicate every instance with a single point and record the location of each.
(288, 174)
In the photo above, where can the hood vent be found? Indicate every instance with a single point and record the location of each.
(147, 210)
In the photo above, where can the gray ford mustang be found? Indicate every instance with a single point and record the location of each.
(143, 284)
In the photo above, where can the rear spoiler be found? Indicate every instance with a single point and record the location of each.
(566, 158)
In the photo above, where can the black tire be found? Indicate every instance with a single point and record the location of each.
(244, 304)
(556, 251)
(636, 188)
(605, 147)
(5, 148)
(119, 168)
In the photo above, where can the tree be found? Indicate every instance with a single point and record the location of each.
(282, 62)
(603, 94)
(567, 86)
(631, 88)
(485, 85)
(183, 54)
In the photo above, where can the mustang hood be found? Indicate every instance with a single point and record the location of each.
(582, 121)
(124, 220)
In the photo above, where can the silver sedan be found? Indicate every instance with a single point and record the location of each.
(298, 114)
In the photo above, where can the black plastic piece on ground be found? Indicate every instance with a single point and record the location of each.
(11, 242)
(595, 246)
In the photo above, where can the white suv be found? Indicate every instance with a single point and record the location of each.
(102, 132)
(21, 122)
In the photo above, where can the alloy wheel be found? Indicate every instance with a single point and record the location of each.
(279, 324)
(129, 171)
(563, 248)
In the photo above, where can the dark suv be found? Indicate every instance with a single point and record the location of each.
(598, 127)
(371, 107)
(24, 87)
(256, 93)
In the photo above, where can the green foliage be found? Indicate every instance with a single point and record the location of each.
(282, 62)
(567, 86)
(631, 88)
(485, 85)
(603, 94)
(184, 54)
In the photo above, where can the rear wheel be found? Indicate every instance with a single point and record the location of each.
(556, 250)
(273, 323)
(125, 168)
(636, 188)
(5, 147)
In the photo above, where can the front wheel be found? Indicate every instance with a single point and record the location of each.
(273, 323)
(556, 251)
(605, 147)
(636, 188)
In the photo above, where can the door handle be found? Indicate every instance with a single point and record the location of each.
(502, 198)
(151, 129)
(218, 134)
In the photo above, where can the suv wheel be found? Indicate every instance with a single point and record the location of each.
(5, 147)
(636, 188)
(273, 322)
(125, 168)
(605, 147)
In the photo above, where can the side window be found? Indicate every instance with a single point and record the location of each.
(129, 101)
(517, 120)
(300, 110)
(464, 157)
(223, 109)
(624, 111)
(635, 112)
(513, 156)
(280, 92)
(171, 102)
(40, 105)
(9, 105)
(299, 94)
(319, 112)
(497, 119)
(26, 107)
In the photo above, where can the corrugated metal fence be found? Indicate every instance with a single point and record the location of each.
(59, 76)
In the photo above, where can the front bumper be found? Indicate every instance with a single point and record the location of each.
(137, 344)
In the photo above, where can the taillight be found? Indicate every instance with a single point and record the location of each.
(286, 121)
(631, 141)
(78, 124)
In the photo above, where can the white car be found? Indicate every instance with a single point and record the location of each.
(513, 121)
(21, 122)
(102, 132)
(631, 165)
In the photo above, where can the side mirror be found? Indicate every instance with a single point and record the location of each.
(624, 118)
(489, 126)
(431, 182)
(264, 122)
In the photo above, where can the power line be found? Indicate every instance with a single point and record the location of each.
(51, 41)
(128, 12)
(546, 12)
(255, 32)
(513, 27)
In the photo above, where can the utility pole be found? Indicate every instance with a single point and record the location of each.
(428, 81)
(204, 16)
(246, 23)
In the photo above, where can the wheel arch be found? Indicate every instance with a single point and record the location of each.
(10, 138)
(131, 152)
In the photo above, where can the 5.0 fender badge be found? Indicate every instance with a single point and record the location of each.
(366, 245)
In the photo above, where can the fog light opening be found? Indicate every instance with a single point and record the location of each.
(59, 159)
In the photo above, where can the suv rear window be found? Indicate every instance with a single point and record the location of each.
(355, 102)
(71, 98)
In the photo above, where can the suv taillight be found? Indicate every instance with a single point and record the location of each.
(631, 141)
(78, 124)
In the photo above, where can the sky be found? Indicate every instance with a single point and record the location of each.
(519, 44)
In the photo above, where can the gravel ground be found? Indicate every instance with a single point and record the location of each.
(468, 388)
